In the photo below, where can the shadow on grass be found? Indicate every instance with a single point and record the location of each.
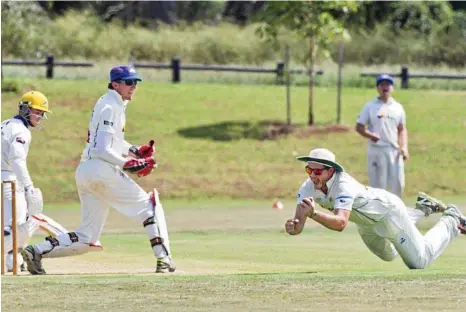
(260, 130)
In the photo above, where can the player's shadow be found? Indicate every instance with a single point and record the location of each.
(236, 130)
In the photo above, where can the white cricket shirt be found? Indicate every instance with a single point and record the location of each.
(106, 133)
(367, 205)
(383, 119)
(16, 138)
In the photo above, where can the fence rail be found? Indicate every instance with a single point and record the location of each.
(406, 75)
(175, 66)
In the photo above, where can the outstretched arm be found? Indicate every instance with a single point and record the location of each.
(336, 222)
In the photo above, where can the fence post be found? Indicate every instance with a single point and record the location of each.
(49, 66)
(404, 77)
(280, 72)
(176, 75)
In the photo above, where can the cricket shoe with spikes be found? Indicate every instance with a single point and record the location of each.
(165, 265)
(33, 260)
(454, 212)
(429, 204)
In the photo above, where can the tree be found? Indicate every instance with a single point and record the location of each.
(319, 23)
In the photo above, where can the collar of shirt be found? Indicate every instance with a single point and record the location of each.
(389, 101)
(23, 120)
(118, 97)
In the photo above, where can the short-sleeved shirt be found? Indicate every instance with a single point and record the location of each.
(109, 115)
(16, 138)
(367, 205)
(383, 119)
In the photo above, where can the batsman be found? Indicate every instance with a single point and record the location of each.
(102, 182)
(16, 138)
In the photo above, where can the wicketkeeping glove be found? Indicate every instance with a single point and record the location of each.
(142, 167)
(143, 151)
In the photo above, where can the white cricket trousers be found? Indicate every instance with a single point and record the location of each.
(385, 167)
(397, 234)
(102, 185)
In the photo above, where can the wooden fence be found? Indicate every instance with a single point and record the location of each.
(49, 64)
(175, 66)
(405, 76)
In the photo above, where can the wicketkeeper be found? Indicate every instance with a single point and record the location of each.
(384, 223)
(102, 181)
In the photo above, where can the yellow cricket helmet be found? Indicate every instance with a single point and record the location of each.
(36, 100)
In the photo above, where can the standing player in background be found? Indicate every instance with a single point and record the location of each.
(388, 138)
(385, 224)
(16, 138)
(102, 183)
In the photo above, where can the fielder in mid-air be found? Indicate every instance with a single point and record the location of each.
(385, 224)
(387, 134)
(16, 138)
(102, 182)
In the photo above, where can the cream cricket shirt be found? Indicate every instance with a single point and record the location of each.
(16, 138)
(106, 134)
(367, 205)
(383, 119)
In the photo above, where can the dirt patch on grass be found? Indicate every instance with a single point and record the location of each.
(275, 130)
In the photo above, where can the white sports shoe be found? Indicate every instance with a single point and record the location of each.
(454, 212)
(429, 204)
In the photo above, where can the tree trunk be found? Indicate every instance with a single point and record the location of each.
(312, 60)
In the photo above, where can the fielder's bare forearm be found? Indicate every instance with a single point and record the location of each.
(335, 222)
(362, 130)
(301, 217)
(403, 138)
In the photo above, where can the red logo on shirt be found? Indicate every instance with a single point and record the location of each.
(20, 140)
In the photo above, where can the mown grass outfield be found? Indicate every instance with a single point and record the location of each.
(218, 177)
(235, 256)
(210, 137)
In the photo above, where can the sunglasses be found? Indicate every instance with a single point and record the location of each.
(129, 82)
(316, 172)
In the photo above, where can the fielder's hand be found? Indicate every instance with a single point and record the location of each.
(307, 206)
(291, 227)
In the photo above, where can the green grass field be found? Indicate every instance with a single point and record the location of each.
(210, 137)
(218, 177)
(235, 256)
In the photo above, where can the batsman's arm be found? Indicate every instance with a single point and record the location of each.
(336, 222)
(17, 157)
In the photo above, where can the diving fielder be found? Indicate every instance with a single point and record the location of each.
(385, 224)
(102, 182)
(387, 138)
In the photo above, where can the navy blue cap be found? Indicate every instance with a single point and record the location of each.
(384, 77)
(123, 72)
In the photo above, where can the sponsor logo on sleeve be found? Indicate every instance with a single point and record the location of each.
(108, 123)
(20, 140)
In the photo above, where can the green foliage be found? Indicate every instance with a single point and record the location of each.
(307, 19)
